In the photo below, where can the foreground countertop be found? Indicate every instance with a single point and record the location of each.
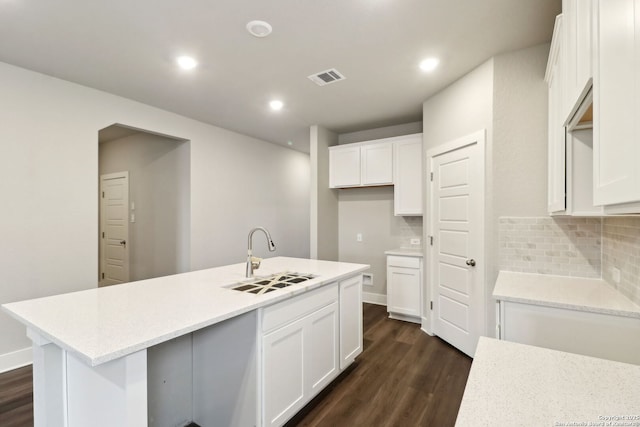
(514, 384)
(103, 324)
(574, 293)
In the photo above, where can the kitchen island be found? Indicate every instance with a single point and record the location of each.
(182, 348)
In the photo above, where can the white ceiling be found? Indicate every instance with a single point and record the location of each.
(127, 47)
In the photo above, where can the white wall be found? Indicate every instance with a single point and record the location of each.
(49, 167)
(324, 201)
(159, 187)
(369, 211)
(506, 96)
(459, 110)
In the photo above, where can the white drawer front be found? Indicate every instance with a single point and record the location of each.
(403, 261)
(284, 312)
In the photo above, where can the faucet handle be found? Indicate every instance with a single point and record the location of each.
(255, 262)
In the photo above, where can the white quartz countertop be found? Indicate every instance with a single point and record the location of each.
(574, 293)
(514, 384)
(99, 325)
(414, 252)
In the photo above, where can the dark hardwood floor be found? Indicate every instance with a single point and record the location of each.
(402, 378)
(16, 398)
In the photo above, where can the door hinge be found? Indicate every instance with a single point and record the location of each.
(103, 275)
(103, 234)
(103, 194)
(431, 240)
(431, 176)
(431, 305)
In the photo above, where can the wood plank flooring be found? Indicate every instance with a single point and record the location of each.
(403, 378)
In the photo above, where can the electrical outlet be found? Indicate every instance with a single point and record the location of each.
(359, 237)
(415, 241)
(615, 274)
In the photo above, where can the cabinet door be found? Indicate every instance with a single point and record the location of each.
(577, 24)
(344, 167)
(283, 373)
(377, 163)
(407, 176)
(616, 127)
(350, 320)
(403, 294)
(321, 349)
(556, 143)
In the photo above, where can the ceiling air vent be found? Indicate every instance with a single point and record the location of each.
(325, 77)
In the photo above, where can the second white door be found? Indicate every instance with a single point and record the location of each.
(114, 228)
(456, 204)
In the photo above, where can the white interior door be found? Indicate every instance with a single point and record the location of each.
(456, 256)
(114, 228)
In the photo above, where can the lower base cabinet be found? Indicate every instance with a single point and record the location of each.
(306, 341)
(605, 336)
(404, 279)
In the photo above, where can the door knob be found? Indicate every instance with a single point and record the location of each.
(471, 262)
(123, 242)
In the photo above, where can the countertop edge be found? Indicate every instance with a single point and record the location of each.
(125, 351)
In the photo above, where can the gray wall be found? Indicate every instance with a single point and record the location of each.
(49, 170)
(369, 211)
(461, 109)
(519, 153)
(324, 201)
(159, 187)
(506, 96)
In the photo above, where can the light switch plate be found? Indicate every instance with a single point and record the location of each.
(359, 237)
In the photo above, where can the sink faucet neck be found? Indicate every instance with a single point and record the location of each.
(253, 262)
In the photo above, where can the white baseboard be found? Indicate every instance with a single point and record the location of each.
(16, 359)
(372, 298)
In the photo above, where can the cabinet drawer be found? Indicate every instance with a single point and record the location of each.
(403, 261)
(287, 311)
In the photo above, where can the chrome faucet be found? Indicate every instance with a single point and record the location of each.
(253, 263)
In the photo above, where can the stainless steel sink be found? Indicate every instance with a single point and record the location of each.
(262, 285)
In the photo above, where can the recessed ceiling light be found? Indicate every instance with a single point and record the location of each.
(186, 62)
(276, 105)
(289, 143)
(429, 64)
(259, 28)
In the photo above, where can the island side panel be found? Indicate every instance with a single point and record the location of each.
(225, 391)
(111, 394)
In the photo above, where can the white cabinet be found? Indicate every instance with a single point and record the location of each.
(616, 138)
(361, 164)
(407, 176)
(404, 279)
(350, 320)
(556, 140)
(300, 352)
(344, 169)
(377, 163)
(592, 334)
(578, 35)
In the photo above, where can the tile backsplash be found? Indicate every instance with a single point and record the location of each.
(621, 250)
(551, 245)
(410, 227)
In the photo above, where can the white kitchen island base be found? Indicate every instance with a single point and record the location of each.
(187, 348)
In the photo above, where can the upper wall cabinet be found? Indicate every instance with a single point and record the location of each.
(376, 163)
(407, 176)
(616, 130)
(556, 140)
(361, 164)
(577, 53)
